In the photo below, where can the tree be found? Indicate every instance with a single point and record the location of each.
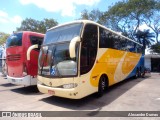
(153, 21)
(155, 48)
(94, 15)
(145, 37)
(127, 16)
(30, 24)
(3, 37)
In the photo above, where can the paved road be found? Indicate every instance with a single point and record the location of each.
(141, 94)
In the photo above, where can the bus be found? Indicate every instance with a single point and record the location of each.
(21, 71)
(3, 60)
(1, 54)
(83, 57)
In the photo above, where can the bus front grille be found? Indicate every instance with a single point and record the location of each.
(13, 57)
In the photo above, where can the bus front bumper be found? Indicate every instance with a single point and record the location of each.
(72, 93)
(26, 80)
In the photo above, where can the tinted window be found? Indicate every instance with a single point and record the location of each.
(114, 41)
(106, 39)
(36, 40)
(88, 48)
(14, 40)
(130, 46)
(139, 49)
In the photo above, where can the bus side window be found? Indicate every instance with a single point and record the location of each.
(117, 41)
(131, 46)
(103, 40)
(123, 44)
(36, 40)
(106, 39)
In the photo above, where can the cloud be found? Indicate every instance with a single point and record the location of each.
(16, 19)
(3, 14)
(143, 27)
(5, 18)
(65, 7)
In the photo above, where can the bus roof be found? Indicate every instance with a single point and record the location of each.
(92, 22)
(29, 32)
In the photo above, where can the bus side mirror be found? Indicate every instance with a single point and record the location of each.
(30, 49)
(72, 45)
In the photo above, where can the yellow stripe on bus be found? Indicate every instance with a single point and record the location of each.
(115, 64)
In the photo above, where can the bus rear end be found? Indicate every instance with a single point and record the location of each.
(19, 70)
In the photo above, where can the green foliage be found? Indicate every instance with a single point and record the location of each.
(145, 37)
(3, 37)
(30, 24)
(94, 15)
(127, 16)
(155, 48)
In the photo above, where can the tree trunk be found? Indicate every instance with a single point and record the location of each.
(144, 46)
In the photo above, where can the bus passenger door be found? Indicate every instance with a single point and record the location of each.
(88, 48)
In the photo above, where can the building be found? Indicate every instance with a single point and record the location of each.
(152, 61)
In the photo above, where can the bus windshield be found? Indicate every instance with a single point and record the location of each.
(14, 40)
(54, 58)
(55, 61)
(62, 33)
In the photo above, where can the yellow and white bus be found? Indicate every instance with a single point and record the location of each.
(84, 57)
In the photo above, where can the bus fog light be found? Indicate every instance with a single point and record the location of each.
(71, 85)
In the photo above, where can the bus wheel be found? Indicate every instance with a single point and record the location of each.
(102, 85)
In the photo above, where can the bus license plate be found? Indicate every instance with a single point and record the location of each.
(13, 80)
(51, 92)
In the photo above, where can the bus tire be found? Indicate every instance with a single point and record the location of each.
(102, 86)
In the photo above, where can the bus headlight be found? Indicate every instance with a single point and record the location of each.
(70, 85)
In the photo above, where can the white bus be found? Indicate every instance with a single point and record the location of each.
(84, 57)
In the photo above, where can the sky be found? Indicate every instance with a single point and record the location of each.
(12, 12)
